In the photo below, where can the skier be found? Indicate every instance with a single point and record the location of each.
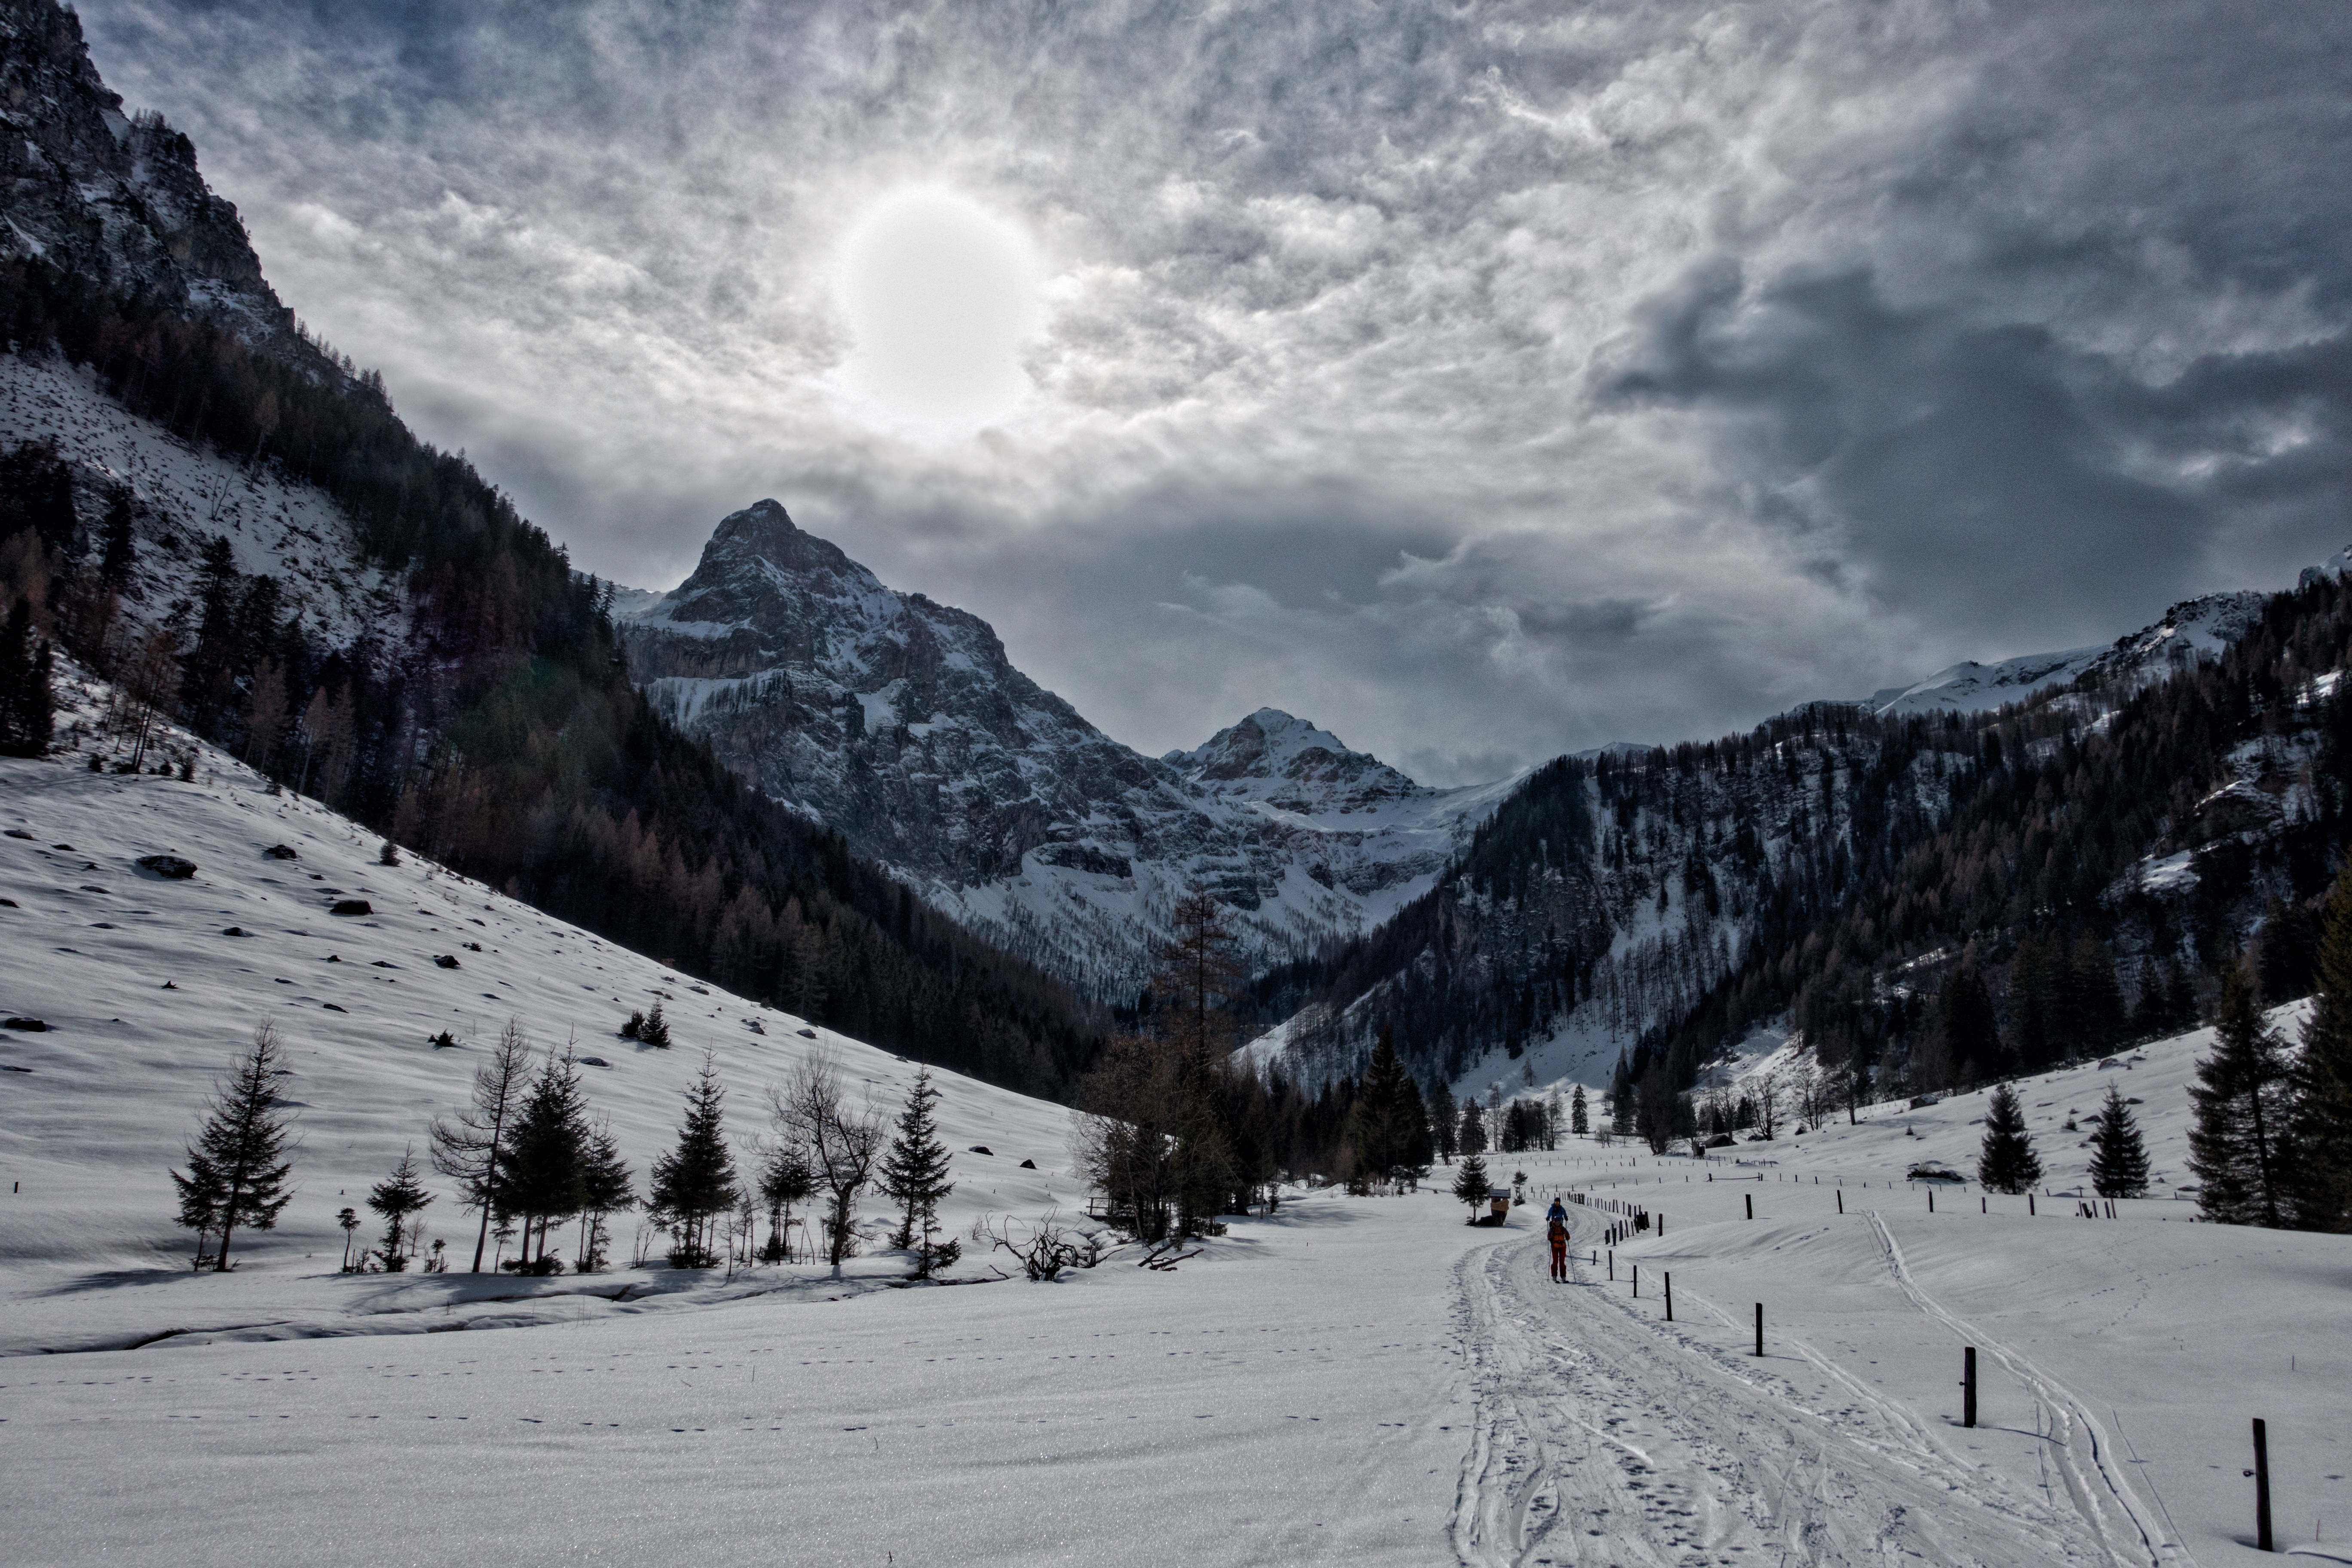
(1556, 1232)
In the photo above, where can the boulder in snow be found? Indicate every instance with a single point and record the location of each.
(170, 867)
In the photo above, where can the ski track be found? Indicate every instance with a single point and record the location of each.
(1604, 1436)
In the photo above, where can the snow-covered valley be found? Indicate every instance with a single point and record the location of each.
(1352, 1379)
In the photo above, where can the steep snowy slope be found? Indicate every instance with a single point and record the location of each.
(902, 723)
(148, 987)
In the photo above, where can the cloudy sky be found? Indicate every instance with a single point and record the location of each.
(1479, 380)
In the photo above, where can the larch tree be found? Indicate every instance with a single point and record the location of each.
(915, 1174)
(239, 1162)
(2239, 1110)
(2118, 1154)
(465, 1148)
(2007, 1163)
(695, 1182)
(2321, 1118)
(396, 1198)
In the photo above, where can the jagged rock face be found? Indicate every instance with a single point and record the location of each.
(897, 720)
(108, 196)
(901, 722)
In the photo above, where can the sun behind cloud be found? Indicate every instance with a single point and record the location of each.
(939, 294)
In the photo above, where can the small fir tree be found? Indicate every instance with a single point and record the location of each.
(1470, 1183)
(695, 1182)
(2238, 1107)
(2118, 1157)
(604, 1189)
(2007, 1163)
(238, 1164)
(1580, 1116)
(785, 1179)
(396, 1197)
(655, 1030)
(2321, 1116)
(915, 1175)
(1444, 1123)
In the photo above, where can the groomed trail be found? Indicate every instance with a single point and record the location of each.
(1605, 1434)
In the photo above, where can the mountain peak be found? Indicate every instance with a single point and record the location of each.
(765, 531)
(1292, 765)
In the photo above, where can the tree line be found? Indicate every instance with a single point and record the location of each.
(528, 1157)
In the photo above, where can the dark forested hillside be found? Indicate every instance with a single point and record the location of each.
(1842, 873)
(499, 731)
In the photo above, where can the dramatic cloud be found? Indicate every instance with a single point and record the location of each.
(1479, 381)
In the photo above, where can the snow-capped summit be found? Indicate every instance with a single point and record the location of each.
(902, 723)
(1289, 764)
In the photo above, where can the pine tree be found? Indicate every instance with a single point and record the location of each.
(2118, 1157)
(119, 553)
(466, 1150)
(1962, 1041)
(915, 1174)
(26, 703)
(1381, 1130)
(238, 1164)
(604, 1189)
(1470, 1183)
(785, 1179)
(2096, 998)
(2320, 1123)
(2035, 1027)
(1444, 1122)
(396, 1197)
(655, 1030)
(543, 1168)
(695, 1182)
(1580, 1119)
(1471, 1136)
(2007, 1163)
(2239, 1105)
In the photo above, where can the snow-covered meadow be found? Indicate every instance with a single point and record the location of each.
(1357, 1379)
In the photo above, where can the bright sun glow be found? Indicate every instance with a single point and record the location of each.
(940, 293)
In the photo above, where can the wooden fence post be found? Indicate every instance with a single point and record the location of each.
(2262, 1474)
(1968, 1386)
(1670, 1296)
(1752, 1203)
(1759, 1327)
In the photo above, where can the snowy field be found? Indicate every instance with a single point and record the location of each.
(1358, 1380)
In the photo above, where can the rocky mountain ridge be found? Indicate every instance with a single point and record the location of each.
(901, 722)
(117, 199)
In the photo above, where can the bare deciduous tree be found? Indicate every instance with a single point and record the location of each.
(842, 1144)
